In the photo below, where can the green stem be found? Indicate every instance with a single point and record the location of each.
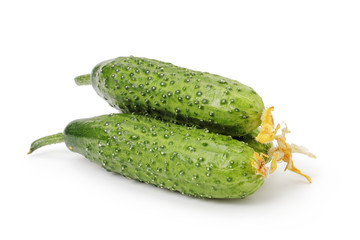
(55, 138)
(83, 80)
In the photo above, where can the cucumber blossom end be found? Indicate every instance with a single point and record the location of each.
(282, 152)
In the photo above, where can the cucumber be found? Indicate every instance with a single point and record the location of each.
(185, 159)
(172, 93)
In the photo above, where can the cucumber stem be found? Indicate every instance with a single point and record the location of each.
(83, 80)
(52, 139)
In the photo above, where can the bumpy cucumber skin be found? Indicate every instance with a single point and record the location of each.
(184, 159)
(146, 86)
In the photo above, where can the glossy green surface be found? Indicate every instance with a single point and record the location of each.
(172, 93)
(184, 159)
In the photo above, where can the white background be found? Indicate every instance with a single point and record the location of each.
(303, 57)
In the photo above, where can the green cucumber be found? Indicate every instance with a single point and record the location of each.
(172, 93)
(186, 159)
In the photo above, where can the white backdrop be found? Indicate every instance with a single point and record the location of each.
(302, 57)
